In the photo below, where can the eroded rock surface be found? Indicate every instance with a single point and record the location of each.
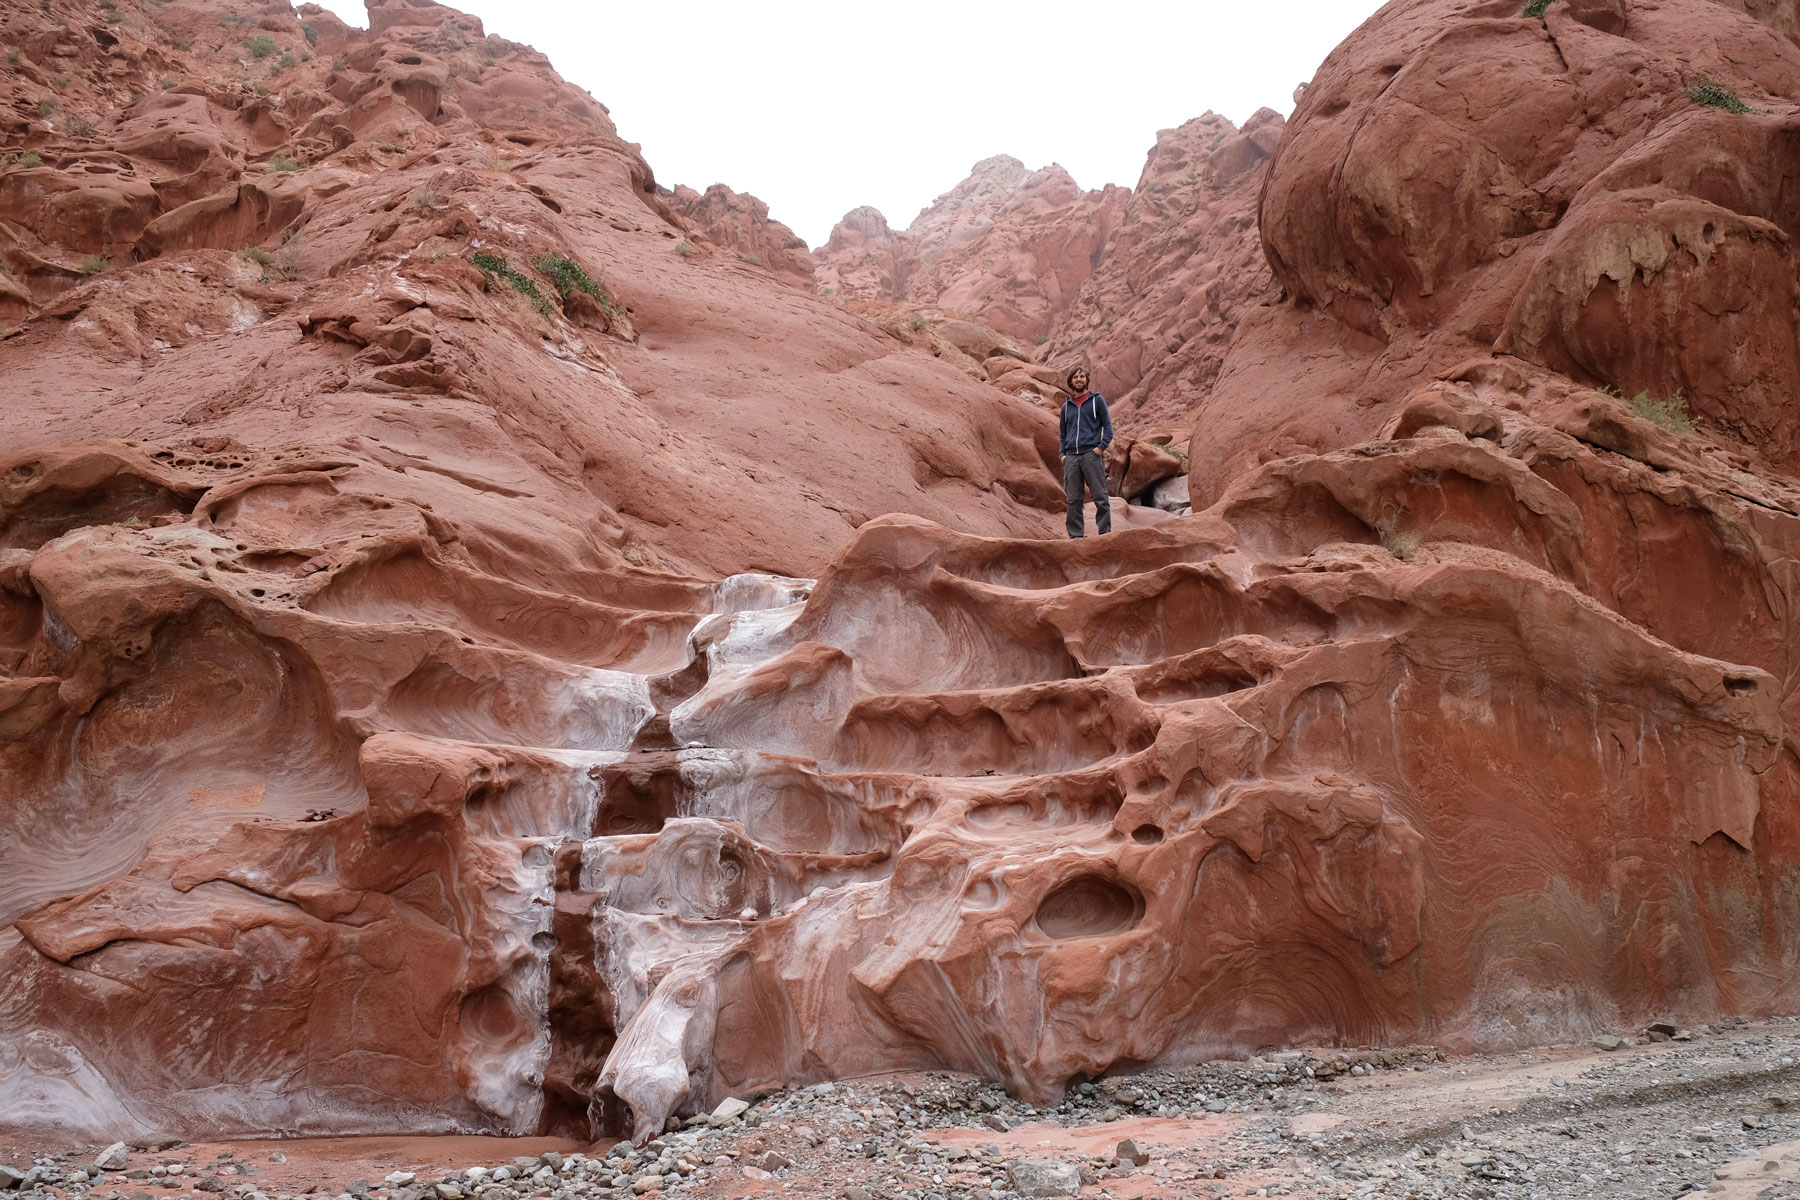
(1146, 287)
(1007, 246)
(472, 665)
(1461, 180)
(1176, 275)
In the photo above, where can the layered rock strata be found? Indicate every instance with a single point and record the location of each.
(436, 698)
(1603, 192)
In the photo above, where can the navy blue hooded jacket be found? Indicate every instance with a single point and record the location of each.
(1086, 426)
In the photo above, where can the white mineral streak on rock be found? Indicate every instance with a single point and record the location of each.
(509, 1074)
(666, 1045)
(46, 1082)
(670, 905)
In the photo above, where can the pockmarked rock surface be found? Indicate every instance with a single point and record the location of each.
(438, 697)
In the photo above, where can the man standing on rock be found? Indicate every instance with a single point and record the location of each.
(1086, 433)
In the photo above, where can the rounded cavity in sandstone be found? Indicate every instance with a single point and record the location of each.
(1089, 906)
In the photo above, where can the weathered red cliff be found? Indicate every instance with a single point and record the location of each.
(415, 713)
(742, 224)
(1146, 286)
(1176, 274)
(1563, 202)
(1007, 246)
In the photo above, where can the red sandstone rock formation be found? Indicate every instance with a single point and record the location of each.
(1466, 181)
(403, 724)
(1146, 286)
(742, 224)
(304, 506)
(1006, 246)
(1175, 276)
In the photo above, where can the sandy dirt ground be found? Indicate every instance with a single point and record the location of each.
(1709, 1111)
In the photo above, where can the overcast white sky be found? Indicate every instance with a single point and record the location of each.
(817, 107)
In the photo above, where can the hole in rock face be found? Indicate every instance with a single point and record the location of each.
(1738, 686)
(986, 894)
(1089, 906)
(51, 512)
(1177, 686)
(490, 1016)
(543, 939)
(1147, 835)
(637, 798)
(274, 560)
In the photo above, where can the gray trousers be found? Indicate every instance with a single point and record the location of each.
(1086, 470)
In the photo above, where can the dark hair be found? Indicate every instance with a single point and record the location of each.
(1069, 379)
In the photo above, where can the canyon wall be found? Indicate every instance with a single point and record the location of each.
(482, 654)
(1145, 286)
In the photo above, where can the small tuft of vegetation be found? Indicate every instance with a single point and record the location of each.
(751, 257)
(261, 45)
(257, 255)
(31, 158)
(312, 35)
(337, 64)
(1671, 414)
(182, 43)
(919, 323)
(566, 276)
(684, 248)
(288, 262)
(94, 264)
(46, 106)
(287, 61)
(79, 126)
(427, 197)
(496, 264)
(1537, 8)
(1403, 544)
(12, 57)
(285, 162)
(1042, 339)
(260, 88)
(1708, 94)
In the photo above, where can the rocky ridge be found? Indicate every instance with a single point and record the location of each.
(1146, 286)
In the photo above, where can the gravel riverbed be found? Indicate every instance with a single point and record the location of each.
(1665, 1112)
